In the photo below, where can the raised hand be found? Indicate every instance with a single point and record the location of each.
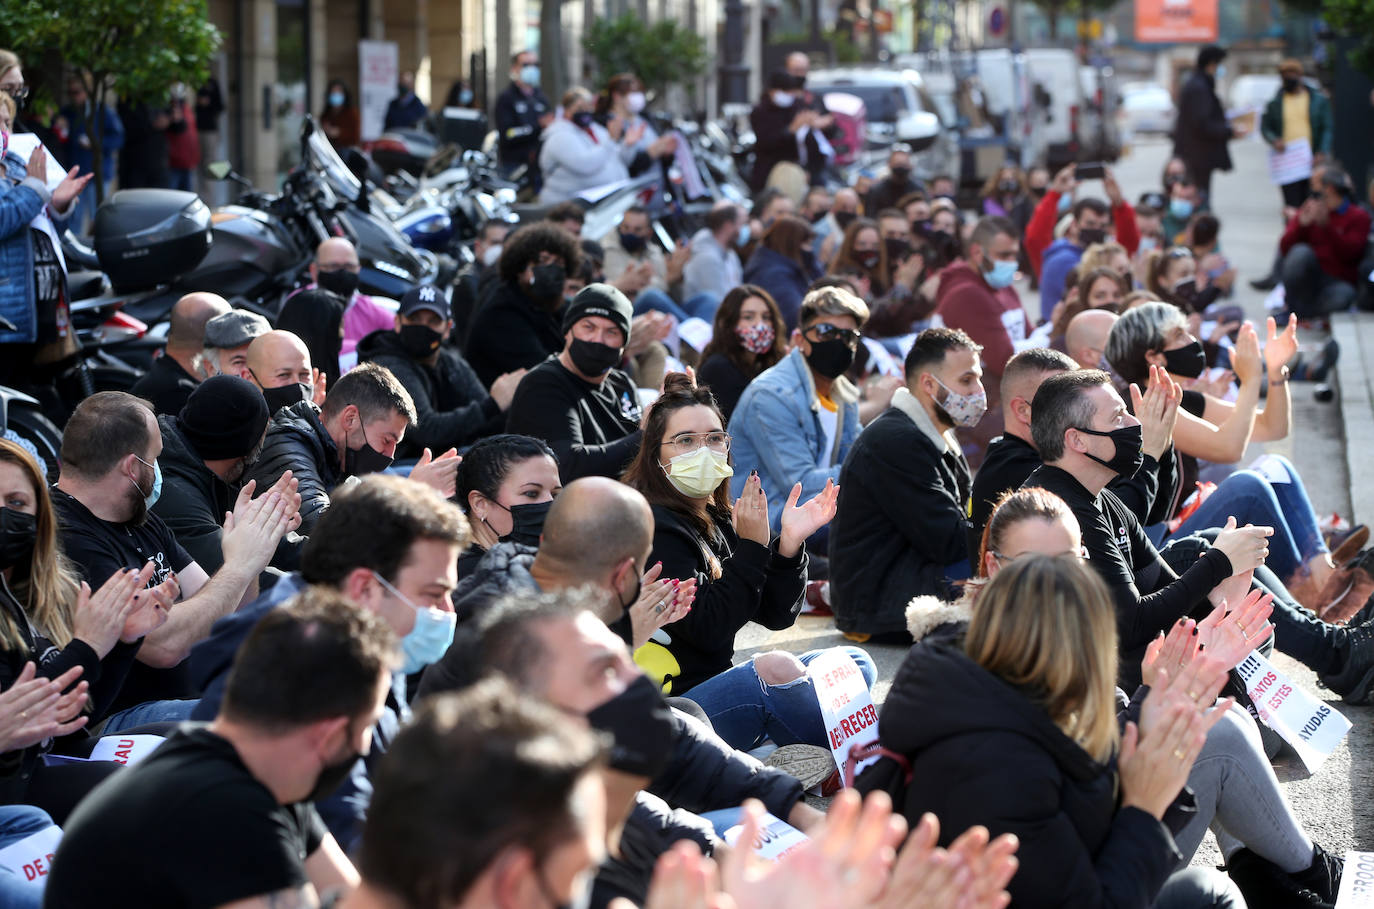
(1247, 547)
(750, 516)
(1245, 357)
(1229, 633)
(151, 607)
(661, 601)
(318, 381)
(1279, 349)
(440, 473)
(67, 191)
(799, 522)
(98, 618)
(38, 165)
(1155, 767)
(34, 709)
(683, 879)
(1157, 410)
(255, 526)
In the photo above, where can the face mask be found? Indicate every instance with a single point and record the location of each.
(593, 358)
(150, 498)
(869, 259)
(548, 282)
(18, 531)
(1188, 361)
(963, 410)
(830, 358)
(1087, 236)
(332, 776)
(844, 218)
(743, 239)
(641, 727)
(359, 461)
(1127, 458)
(1001, 274)
(1186, 289)
(697, 474)
(1221, 72)
(1148, 243)
(529, 74)
(582, 119)
(340, 281)
(1290, 85)
(277, 398)
(336, 99)
(429, 639)
(632, 243)
(634, 102)
(1181, 208)
(757, 338)
(900, 174)
(897, 249)
(1065, 203)
(419, 341)
(1008, 186)
(465, 96)
(527, 522)
(491, 255)
(783, 99)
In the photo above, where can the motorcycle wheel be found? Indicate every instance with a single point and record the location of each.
(26, 426)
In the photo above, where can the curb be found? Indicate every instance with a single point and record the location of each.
(1355, 381)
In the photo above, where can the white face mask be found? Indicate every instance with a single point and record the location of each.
(783, 99)
(491, 255)
(634, 101)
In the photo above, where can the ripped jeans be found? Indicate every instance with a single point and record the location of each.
(746, 711)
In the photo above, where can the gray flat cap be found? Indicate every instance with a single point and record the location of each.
(234, 329)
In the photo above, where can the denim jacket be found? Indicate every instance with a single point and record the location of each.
(21, 199)
(776, 430)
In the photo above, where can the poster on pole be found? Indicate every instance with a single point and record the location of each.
(378, 71)
(1175, 21)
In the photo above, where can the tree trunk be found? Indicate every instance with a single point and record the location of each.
(95, 130)
(1052, 13)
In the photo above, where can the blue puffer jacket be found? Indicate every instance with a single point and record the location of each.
(21, 198)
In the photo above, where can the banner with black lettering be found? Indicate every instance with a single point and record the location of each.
(1313, 728)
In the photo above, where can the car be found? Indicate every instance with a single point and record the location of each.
(1253, 90)
(1146, 108)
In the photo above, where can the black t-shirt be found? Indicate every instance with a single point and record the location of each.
(188, 826)
(166, 386)
(50, 290)
(100, 548)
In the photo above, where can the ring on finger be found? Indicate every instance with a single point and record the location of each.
(1180, 753)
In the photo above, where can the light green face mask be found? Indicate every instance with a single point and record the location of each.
(698, 473)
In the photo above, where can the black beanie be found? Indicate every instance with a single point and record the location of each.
(599, 300)
(223, 418)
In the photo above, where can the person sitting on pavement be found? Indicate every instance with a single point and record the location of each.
(505, 485)
(577, 153)
(1085, 340)
(390, 546)
(863, 249)
(175, 374)
(902, 522)
(336, 269)
(568, 215)
(110, 479)
(354, 433)
(1040, 231)
(748, 337)
(713, 266)
(279, 367)
(1090, 225)
(578, 402)
(1095, 289)
(797, 420)
(476, 279)
(206, 450)
(844, 208)
(632, 246)
(1322, 246)
(227, 337)
(783, 265)
(898, 182)
(300, 705)
(451, 406)
(815, 205)
(520, 325)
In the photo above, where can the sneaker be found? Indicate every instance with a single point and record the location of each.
(1316, 368)
(1347, 544)
(1268, 283)
(1323, 877)
(811, 764)
(1266, 886)
(1355, 680)
(817, 599)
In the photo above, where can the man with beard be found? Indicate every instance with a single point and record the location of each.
(110, 479)
(224, 814)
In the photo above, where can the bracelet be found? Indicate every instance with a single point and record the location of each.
(1276, 384)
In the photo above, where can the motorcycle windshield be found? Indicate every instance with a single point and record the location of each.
(327, 162)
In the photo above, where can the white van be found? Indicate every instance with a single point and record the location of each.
(1058, 102)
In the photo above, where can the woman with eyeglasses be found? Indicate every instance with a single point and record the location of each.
(744, 574)
(1237, 795)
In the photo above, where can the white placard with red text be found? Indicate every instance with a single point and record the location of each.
(776, 838)
(30, 859)
(1357, 882)
(125, 749)
(1313, 728)
(846, 705)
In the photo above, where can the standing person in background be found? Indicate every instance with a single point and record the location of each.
(1297, 112)
(787, 134)
(1202, 130)
(406, 110)
(71, 126)
(522, 113)
(209, 107)
(621, 110)
(340, 119)
(143, 157)
(183, 145)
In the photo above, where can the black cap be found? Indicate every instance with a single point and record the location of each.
(426, 296)
(223, 418)
(600, 300)
(234, 329)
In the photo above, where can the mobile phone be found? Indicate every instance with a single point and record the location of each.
(1090, 170)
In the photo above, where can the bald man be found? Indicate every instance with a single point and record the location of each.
(177, 371)
(336, 269)
(279, 365)
(1085, 339)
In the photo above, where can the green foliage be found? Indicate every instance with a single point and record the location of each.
(1346, 17)
(661, 53)
(137, 48)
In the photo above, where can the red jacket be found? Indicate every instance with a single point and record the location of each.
(1040, 229)
(993, 318)
(1339, 243)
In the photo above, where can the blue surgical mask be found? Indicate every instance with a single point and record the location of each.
(430, 638)
(1065, 203)
(529, 74)
(465, 96)
(1181, 208)
(1221, 72)
(150, 498)
(743, 236)
(1001, 275)
(336, 99)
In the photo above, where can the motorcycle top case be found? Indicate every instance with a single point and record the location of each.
(147, 237)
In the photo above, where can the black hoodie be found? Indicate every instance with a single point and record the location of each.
(193, 499)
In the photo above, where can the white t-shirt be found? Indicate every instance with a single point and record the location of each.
(830, 424)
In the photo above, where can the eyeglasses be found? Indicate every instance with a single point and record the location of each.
(687, 442)
(18, 92)
(1179, 252)
(827, 332)
(1080, 556)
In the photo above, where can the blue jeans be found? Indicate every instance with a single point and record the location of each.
(701, 306)
(19, 822)
(746, 711)
(149, 712)
(180, 178)
(1252, 499)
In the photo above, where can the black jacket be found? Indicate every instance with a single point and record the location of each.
(452, 406)
(166, 386)
(774, 143)
(510, 331)
(725, 380)
(593, 429)
(1202, 130)
(193, 500)
(517, 125)
(756, 584)
(298, 442)
(902, 520)
(982, 752)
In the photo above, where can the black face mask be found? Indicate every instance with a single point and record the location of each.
(592, 358)
(1087, 236)
(17, 534)
(364, 460)
(1290, 85)
(419, 341)
(896, 249)
(548, 283)
(632, 243)
(641, 727)
(331, 777)
(340, 281)
(582, 119)
(527, 522)
(1188, 361)
(901, 175)
(1127, 458)
(830, 358)
(844, 218)
(286, 395)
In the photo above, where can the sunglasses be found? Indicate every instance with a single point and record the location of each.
(827, 332)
